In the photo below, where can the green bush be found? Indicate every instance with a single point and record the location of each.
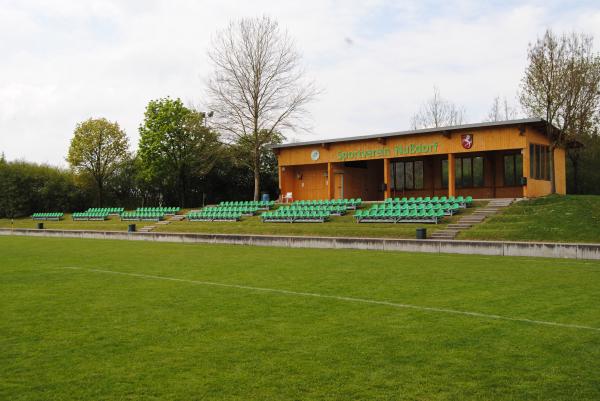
(26, 188)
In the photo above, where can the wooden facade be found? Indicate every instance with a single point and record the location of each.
(366, 167)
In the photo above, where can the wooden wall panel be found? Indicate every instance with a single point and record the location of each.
(536, 188)
(286, 183)
(560, 171)
(310, 182)
(483, 140)
(362, 183)
(355, 180)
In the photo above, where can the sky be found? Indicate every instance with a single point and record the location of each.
(375, 61)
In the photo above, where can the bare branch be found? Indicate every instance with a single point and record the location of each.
(258, 87)
(438, 112)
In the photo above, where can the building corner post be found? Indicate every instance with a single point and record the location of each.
(330, 181)
(526, 169)
(451, 175)
(281, 183)
(387, 179)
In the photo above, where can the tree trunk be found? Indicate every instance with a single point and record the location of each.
(100, 192)
(256, 177)
(552, 180)
(575, 164)
(182, 187)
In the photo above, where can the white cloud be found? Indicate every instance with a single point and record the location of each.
(65, 61)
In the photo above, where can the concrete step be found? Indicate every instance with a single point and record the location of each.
(471, 219)
(460, 226)
(447, 231)
(483, 214)
(163, 223)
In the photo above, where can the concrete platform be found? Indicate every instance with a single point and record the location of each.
(465, 247)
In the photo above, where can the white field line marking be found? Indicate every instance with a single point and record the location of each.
(341, 298)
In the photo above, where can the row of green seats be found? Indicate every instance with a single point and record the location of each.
(247, 210)
(159, 209)
(287, 215)
(108, 210)
(398, 216)
(348, 203)
(152, 216)
(90, 215)
(450, 207)
(464, 201)
(338, 210)
(47, 216)
(216, 215)
(259, 204)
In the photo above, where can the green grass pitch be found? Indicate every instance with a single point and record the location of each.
(110, 320)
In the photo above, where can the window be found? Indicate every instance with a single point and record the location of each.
(445, 173)
(539, 162)
(399, 176)
(419, 173)
(468, 172)
(409, 182)
(513, 169)
(478, 172)
(407, 175)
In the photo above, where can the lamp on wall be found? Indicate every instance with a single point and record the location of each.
(299, 176)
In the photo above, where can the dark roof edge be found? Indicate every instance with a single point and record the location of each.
(417, 132)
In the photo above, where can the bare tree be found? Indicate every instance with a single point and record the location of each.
(258, 87)
(579, 116)
(438, 112)
(501, 110)
(561, 85)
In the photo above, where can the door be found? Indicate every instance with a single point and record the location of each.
(339, 186)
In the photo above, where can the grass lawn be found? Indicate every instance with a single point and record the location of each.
(185, 322)
(571, 218)
(338, 226)
(112, 224)
(344, 226)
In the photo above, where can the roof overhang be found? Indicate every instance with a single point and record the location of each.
(539, 123)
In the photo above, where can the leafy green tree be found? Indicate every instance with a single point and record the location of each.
(26, 188)
(175, 146)
(97, 149)
(12, 192)
(561, 84)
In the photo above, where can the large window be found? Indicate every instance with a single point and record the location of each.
(468, 173)
(539, 162)
(513, 169)
(407, 175)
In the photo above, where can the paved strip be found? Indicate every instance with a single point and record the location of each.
(341, 298)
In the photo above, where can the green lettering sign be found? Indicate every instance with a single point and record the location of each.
(410, 149)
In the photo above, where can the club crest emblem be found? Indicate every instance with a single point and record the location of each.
(314, 155)
(467, 141)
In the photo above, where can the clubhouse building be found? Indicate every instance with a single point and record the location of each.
(507, 159)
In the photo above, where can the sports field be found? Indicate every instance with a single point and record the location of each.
(110, 320)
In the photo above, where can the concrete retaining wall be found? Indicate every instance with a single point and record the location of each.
(496, 248)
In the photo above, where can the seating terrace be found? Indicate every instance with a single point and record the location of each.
(48, 216)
